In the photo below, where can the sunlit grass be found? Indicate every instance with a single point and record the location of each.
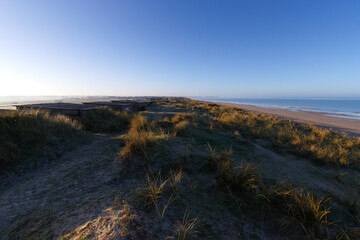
(141, 136)
(322, 145)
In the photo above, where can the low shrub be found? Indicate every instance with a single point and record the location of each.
(242, 178)
(306, 211)
(105, 120)
(141, 136)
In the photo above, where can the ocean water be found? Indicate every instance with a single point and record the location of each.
(342, 108)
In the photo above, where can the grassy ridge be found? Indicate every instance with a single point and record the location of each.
(294, 207)
(28, 134)
(322, 145)
(105, 120)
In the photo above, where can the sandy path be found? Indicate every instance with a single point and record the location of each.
(65, 193)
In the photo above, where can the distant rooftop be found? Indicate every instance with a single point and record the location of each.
(59, 106)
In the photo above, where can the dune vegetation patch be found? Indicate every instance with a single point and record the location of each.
(26, 134)
(190, 170)
(106, 120)
(323, 146)
(295, 209)
(141, 136)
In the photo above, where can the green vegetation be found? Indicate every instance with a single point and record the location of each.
(27, 135)
(241, 178)
(322, 145)
(186, 169)
(105, 120)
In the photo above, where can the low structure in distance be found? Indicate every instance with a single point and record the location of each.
(137, 104)
(121, 106)
(69, 109)
(78, 110)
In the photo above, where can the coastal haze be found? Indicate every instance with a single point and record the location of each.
(10, 103)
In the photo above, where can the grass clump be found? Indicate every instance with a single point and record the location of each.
(150, 194)
(239, 179)
(141, 136)
(180, 127)
(25, 134)
(105, 120)
(306, 211)
(187, 229)
(242, 178)
(174, 180)
(115, 222)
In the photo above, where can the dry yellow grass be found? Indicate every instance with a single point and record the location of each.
(150, 194)
(188, 228)
(141, 136)
(323, 145)
(116, 222)
(174, 180)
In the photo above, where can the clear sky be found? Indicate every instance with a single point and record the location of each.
(252, 48)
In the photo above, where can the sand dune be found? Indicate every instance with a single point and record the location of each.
(349, 126)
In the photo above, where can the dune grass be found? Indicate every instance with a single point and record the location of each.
(324, 146)
(113, 223)
(106, 120)
(175, 178)
(141, 136)
(150, 194)
(26, 134)
(295, 208)
(307, 211)
(239, 179)
(188, 228)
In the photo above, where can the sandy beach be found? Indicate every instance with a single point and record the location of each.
(349, 126)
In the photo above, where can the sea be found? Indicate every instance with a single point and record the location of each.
(342, 108)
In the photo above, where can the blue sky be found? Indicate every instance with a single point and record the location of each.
(185, 48)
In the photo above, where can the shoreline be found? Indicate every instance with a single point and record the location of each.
(319, 119)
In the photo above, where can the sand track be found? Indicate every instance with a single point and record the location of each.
(57, 192)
